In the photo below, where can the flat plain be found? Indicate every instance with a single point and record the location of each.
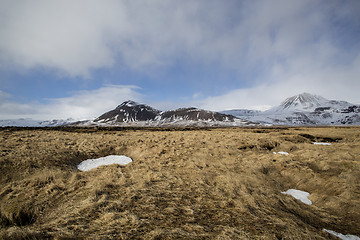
(215, 183)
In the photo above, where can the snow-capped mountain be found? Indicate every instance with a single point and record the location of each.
(26, 122)
(307, 102)
(130, 113)
(308, 109)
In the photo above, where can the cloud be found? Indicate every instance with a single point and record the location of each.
(276, 48)
(335, 82)
(74, 37)
(81, 105)
(68, 36)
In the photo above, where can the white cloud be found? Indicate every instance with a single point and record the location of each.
(339, 83)
(75, 37)
(282, 47)
(81, 105)
(70, 36)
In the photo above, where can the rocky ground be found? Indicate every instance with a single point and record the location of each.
(216, 183)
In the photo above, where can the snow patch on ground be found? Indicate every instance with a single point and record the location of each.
(111, 159)
(299, 195)
(342, 236)
(283, 153)
(321, 143)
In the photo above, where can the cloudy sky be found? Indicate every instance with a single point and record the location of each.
(80, 58)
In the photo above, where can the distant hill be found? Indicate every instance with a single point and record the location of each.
(26, 122)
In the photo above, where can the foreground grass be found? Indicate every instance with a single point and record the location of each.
(194, 184)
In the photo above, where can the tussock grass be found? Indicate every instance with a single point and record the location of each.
(193, 184)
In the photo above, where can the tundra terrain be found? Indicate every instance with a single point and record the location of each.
(216, 183)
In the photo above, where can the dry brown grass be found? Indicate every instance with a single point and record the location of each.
(196, 184)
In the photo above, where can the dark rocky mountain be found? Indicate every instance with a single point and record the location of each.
(129, 111)
(194, 114)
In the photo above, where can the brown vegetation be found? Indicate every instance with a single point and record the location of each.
(182, 184)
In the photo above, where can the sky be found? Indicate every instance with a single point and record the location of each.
(77, 59)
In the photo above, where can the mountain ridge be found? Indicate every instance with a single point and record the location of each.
(132, 113)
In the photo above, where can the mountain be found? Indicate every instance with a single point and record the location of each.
(194, 114)
(241, 112)
(198, 117)
(130, 113)
(302, 102)
(302, 109)
(307, 102)
(27, 122)
(308, 109)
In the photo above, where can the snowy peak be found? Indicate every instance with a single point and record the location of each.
(307, 102)
(129, 103)
(129, 111)
(303, 102)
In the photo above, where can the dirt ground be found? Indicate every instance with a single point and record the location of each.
(222, 183)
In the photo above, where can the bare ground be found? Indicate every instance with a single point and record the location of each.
(182, 184)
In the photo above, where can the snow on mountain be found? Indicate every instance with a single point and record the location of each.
(307, 102)
(241, 112)
(27, 122)
(308, 109)
(193, 114)
(302, 102)
(302, 109)
(130, 113)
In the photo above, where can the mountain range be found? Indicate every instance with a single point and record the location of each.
(130, 113)
(302, 109)
(305, 109)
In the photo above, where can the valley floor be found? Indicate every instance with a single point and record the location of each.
(216, 183)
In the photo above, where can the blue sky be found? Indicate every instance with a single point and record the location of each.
(78, 59)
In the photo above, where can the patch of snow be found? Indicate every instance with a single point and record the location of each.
(342, 236)
(283, 153)
(321, 143)
(299, 195)
(111, 159)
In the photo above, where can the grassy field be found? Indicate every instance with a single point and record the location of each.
(221, 183)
